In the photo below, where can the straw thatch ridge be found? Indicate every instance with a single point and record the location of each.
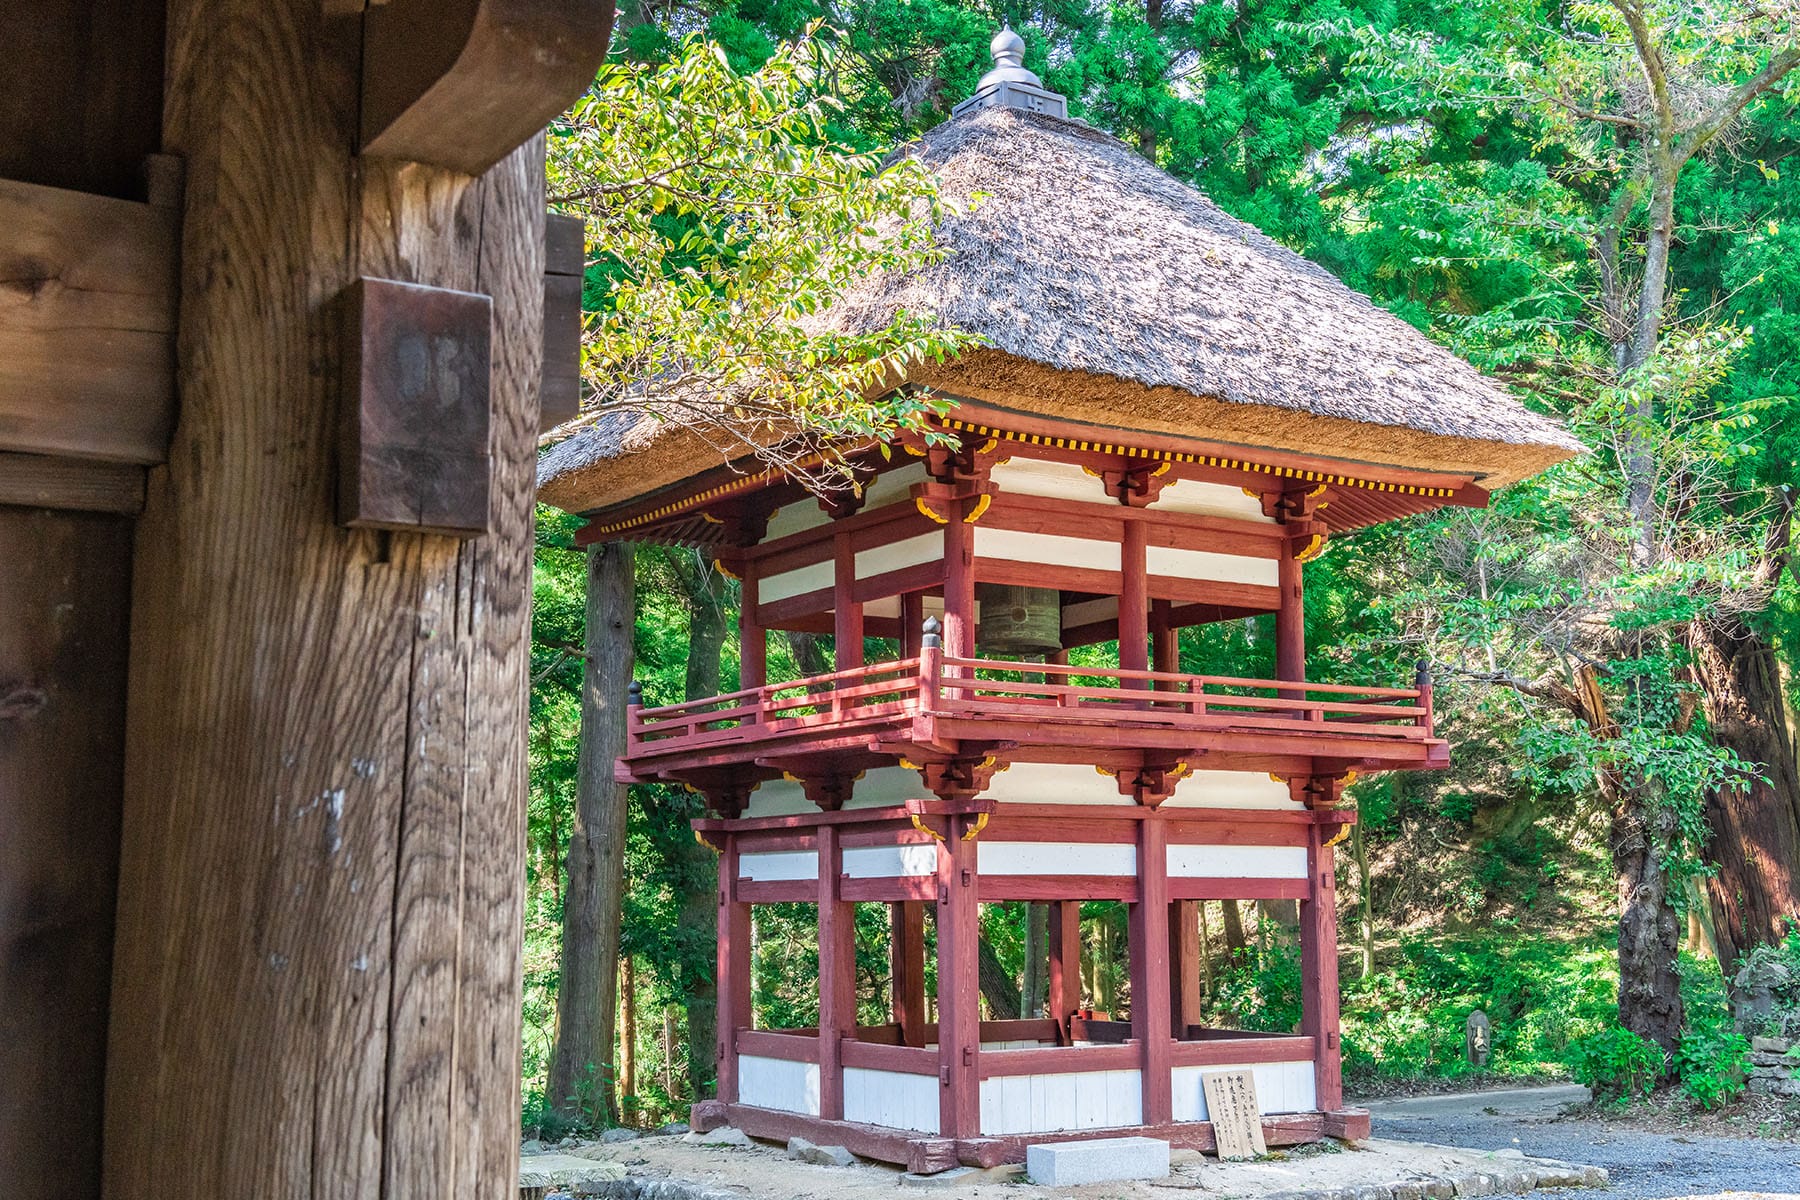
(1111, 293)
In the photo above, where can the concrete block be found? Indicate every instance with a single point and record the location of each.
(1100, 1160)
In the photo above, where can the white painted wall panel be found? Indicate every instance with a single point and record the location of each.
(796, 582)
(1053, 783)
(1014, 1104)
(1210, 499)
(1016, 546)
(891, 1098)
(1209, 564)
(1057, 480)
(1237, 862)
(886, 862)
(1280, 1088)
(893, 487)
(881, 787)
(802, 514)
(779, 1084)
(768, 866)
(1055, 858)
(907, 552)
(1231, 789)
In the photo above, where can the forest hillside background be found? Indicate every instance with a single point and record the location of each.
(1613, 230)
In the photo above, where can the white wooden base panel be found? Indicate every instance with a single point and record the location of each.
(890, 1098)
(1047, 1103)
(779, 1084)
(1284, 1087)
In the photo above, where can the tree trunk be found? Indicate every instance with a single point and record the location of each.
(1755, 842)
(627, 1029)
(1649, 931)
(1365, 901)
(586, 1002)
(1234, 929)
(1153, 16)
(998, 987)
(1037, 959)
(696, 866)
(809, 656)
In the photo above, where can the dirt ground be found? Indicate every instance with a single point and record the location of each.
(765, 1173)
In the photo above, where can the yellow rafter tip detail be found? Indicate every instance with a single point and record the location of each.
(1319, 491)
(915, 451)
(926, 509)
(975, 829)
(790, 777)
(987, 447)
(1342, 833)
(1162, 470)
(909, 764)
(1103, 771)
(1313, 549)
(1277, 778)
(981, 506)
(723, 569)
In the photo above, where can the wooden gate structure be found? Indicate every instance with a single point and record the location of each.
(273, 288)
(1170, 415)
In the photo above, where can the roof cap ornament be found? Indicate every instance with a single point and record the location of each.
(1009, 84)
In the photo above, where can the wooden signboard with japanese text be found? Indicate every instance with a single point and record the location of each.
(1236, 1116)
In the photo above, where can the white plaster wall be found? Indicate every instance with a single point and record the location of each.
(891, 1098)
(1053, 783)
(1055, 858)
(778, 1083)
(1056, 480)
(1071, 1100)
(1283, 1087)
(800, 515)
(767, 866)
(1211, 500)
(880, 787)
(887, 862)
(907, 552)
(1237, 862)
(1232, 789)
(1209, 564)
(893, 487)
(1017, 546)
(796, 582)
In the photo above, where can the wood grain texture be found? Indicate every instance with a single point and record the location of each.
(459, 83)
(64, 589)
(80, 92)
(87, 324)
(317, 984)
(72, 484)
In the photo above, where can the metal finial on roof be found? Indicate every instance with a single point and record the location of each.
(1009, 84)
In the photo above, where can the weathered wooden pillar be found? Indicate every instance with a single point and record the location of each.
(906, 961)
(959, 585)
(731, 970)
(1134, 603)
(1290, 618)
(837, 973)
(316, 987)
(1149, 933)
(1319, 1015)
(1065, 962)
(912, 623)
(753, 639)
(958, 987)
(1184, 966)
(847, 613)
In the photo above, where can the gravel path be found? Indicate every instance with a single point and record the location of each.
(1642, 1165)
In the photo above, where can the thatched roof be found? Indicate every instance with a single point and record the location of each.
(1110, 293)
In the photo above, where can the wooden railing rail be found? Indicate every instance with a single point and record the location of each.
(934, 682)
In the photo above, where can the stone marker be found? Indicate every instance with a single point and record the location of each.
(1101, 1160)
(725, 1135)
(819, 1156)
(1478, 1038)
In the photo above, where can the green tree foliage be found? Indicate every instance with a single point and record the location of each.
(724, 216)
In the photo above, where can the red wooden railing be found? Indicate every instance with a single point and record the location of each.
(1050, 692)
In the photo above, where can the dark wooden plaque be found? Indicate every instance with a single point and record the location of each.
(413, 445)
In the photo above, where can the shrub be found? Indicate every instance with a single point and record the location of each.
(1616, 1064)
(1713, 1064)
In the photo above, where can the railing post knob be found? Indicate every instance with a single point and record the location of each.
(933, 638)
(1422, 679)
(634, 695)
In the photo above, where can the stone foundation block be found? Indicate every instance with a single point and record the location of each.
(1101, 1160)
